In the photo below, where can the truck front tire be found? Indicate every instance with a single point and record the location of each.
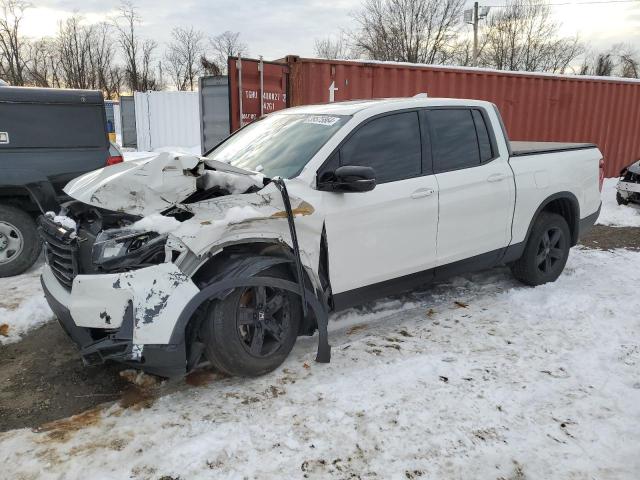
(20, 244)
(252, 330)
(546, 252)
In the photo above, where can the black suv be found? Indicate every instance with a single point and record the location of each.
(47, 137)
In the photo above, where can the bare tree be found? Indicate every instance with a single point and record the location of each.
(333, 48)
(209, 67)
(620, 60)
(524, 36)
(604, 65)
(175, 67)
(225, 45)
(74, 49)
(629, 65)
(12, 44)
(417, 31)
(183, 57)
(43, 65)
(107, 76)
(138, 54)
(147, 79)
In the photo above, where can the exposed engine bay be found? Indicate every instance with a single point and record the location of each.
(111, 241)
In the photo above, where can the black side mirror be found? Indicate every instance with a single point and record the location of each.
(348, 178)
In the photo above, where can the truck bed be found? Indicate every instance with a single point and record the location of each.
(519, 149)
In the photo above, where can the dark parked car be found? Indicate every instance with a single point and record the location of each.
(47, 137)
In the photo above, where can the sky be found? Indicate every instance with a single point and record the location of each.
(275, 28)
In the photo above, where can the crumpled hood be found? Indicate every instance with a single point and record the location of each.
(145, 186)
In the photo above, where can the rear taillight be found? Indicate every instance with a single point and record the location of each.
(114, 160)
(601, 173)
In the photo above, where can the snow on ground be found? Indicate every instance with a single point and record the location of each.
(613, 214)
(510, 382)
(22, 305)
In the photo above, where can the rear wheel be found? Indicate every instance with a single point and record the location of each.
(252, 330)
(546, 252)
(20, 244)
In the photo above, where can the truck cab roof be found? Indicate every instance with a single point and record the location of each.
(50, 95)
(380, 105)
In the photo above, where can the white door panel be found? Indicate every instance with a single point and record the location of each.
(382, 234)
(476, 210)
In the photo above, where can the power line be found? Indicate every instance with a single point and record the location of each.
(594, 2)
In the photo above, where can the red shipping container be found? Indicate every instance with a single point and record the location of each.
(534, 106)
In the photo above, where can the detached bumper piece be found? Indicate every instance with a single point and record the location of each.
(320, 310)
(98, 346)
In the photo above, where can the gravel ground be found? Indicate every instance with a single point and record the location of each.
(42, 377)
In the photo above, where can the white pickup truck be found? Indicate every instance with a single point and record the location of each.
(170, 261)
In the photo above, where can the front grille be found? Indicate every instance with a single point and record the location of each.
(61, 251)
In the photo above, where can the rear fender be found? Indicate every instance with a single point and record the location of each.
(38, 186)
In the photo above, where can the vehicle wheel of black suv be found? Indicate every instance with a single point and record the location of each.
(621, 200)
(20, 244)
(546, 252)
(252, 330)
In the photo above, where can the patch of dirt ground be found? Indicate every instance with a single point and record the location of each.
(42, 378)
(610, 238)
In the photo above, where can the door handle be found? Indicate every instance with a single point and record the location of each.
(423, 192)
(496, 177)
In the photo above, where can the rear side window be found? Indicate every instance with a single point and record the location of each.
(390, 145)
(484, 142)
(33, 125)
(454, 140)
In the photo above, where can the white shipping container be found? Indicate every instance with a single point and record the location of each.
(117, 121)
(167, 119)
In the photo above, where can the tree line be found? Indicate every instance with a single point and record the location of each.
(111, 56)
(114, 57)
(521, 35)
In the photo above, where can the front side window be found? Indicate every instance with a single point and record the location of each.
(389, 144)
(454, 139)
(279, 144)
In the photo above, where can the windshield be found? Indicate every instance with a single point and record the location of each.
(278, 145)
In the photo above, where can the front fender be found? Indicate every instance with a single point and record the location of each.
(244, 271)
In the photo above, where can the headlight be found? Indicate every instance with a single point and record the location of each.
(122, 248)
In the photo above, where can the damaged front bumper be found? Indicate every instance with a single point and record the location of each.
(628, 186)
(126, 317)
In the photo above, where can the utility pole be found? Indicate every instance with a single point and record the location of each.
(473, 16)
(475, 33)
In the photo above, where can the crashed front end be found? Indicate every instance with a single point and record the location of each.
(628, 187)
(116, 308)
(121, 257)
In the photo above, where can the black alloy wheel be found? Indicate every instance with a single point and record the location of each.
(252, 330)
(550, 250)
(263, 319)
(546, 251)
